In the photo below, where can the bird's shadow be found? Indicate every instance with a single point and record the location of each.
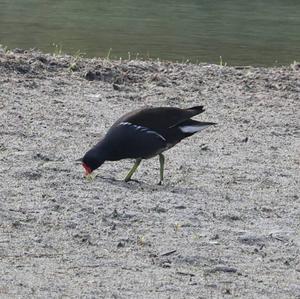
(148, 187)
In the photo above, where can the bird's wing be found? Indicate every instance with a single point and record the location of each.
(159, 118)
(127, 140)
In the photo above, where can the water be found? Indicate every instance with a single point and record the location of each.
(242, 32)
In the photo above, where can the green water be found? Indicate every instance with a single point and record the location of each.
(257, 32)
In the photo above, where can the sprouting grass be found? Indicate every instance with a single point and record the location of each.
(221, 62)
(295, 65)
(141, 240)
(74, 61)
(130, 56)
(108, 54)
(177, 227)
(4, 48)
(57, 49)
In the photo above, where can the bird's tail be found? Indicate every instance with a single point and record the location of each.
(196, 109)
(191, 126)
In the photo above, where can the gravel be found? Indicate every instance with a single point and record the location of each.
(226, 224)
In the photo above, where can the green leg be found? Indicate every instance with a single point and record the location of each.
(133, 169)
(161, 170)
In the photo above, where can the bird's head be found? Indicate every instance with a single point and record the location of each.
(91, 161)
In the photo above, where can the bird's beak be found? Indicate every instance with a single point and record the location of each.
(88, 174)
(87, 169)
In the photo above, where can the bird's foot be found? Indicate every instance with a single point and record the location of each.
(131, 180)
(90, 177)
(160, 183)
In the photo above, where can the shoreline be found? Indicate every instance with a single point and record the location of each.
(79, 56)
(226, 222)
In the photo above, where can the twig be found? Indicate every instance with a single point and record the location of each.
(185, 273)
(168, 253)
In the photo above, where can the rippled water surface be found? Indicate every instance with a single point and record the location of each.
(242, 32)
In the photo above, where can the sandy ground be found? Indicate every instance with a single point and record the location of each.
(226, 224)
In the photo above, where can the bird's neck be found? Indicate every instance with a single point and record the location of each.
(102, 150)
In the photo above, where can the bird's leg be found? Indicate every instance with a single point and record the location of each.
(161, 169)
(133, 169)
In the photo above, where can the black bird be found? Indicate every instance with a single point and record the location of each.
(143, 134)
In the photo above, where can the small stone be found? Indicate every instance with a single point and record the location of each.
(180, 207)
(266, 209)
(121, 245)
(225, 269)
(251, 239)
(159, 209)
(18, 51)
(215, 237)
(116, 87)
(90, 76)
(232, 217)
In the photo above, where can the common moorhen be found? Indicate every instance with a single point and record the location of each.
(143, 134)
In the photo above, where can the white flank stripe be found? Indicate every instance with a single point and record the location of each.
(125, 123)
(142, 129)
(192, 129)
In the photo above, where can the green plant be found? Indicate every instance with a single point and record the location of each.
(4, 48)
(108, 54)
(295, 65)
(57, 49)
(221, 62)
(74, 61)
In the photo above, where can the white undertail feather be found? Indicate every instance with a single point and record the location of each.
(192, 129)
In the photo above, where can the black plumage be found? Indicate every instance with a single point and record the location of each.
(143, 134)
